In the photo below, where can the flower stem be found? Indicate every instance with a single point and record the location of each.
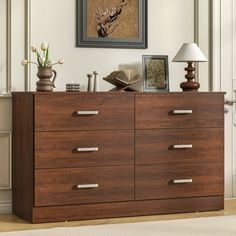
(54, 63)
(33, 62)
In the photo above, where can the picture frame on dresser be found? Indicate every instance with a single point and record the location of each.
(155, 73)
(112, 23)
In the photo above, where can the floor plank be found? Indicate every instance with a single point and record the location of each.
(13, 223)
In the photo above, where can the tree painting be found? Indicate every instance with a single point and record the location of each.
(106, 19)
(113, 19)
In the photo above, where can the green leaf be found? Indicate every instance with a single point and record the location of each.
(46, 56)
(38, 56)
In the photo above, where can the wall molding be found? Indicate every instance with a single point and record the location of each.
(216, 45)
(8, 185)
(5, 207)
(8, 48)
(196, 33)
(28, 44)
(198, 28)
(196, 21)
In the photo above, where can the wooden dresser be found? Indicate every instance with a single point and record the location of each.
(98, 155)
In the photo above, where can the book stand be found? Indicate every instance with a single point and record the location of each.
(123, 86)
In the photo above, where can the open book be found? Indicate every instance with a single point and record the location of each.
(123, 78)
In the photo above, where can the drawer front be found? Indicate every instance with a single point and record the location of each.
(181, 180)
(83, 185)
(84, 148)
(179, 145)
(86, 111)
(179, 110)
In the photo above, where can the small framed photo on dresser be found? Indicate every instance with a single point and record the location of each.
(155, 73)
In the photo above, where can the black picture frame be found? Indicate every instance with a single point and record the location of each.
(102, 42)
(155, 73)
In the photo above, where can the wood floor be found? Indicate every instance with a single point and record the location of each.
(13, 223)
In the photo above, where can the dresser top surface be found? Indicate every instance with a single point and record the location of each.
(84, 93)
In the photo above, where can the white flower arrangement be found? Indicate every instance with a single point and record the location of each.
(42, 57)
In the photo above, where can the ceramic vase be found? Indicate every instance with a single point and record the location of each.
(47, 77)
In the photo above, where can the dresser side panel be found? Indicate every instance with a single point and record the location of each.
(23, 155)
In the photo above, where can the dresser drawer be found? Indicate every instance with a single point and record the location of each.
(179, 145)
(165, 181)
(84, 148)
(179, 110)
(84, 185)
(88, 111)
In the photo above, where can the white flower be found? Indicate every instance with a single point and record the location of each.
(41, 60)
(44, 46)
(42, 57)
(33, 49)
(24, 62)
(61, 61)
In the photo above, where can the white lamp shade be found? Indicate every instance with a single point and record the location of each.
(189, 52)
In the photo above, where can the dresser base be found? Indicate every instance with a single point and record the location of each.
(126, 209)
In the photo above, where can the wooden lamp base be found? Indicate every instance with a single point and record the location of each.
(190, 85)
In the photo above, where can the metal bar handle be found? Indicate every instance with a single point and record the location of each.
(84, 113)
(181, 112)
(88, 149)
(230, 102)
(86, 186)
(182, 181)
(183, 146)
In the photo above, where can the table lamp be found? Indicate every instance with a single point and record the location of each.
(190, 52)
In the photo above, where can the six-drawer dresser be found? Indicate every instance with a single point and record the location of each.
(98, 155)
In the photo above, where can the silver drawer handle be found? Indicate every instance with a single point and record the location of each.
(88, 149)
(84, 113)
(182, 112)
(86, 186)
(182, 181)
(183, 146)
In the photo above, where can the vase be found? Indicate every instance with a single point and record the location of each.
(45, 83)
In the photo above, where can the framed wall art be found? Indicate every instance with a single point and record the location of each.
(155, 73)
(112, 23)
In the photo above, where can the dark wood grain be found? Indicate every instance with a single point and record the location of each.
(129, 126)
(58, 149)
(22, 156)
(153, 111)
(156, 146)
(122, 209)
(156, 181)
(57, 113)
(58, 186)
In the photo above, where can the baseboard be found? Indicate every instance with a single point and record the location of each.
(5, 207)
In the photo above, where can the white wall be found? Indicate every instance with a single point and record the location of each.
(170, 23)
(3, 66)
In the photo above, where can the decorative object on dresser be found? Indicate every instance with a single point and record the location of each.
(155, 73)
(96, 87)
(124, 80)
(94, 158)
(45, 71)
(72, 87)
(112, 23)
(90, 83)
(190, 52)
